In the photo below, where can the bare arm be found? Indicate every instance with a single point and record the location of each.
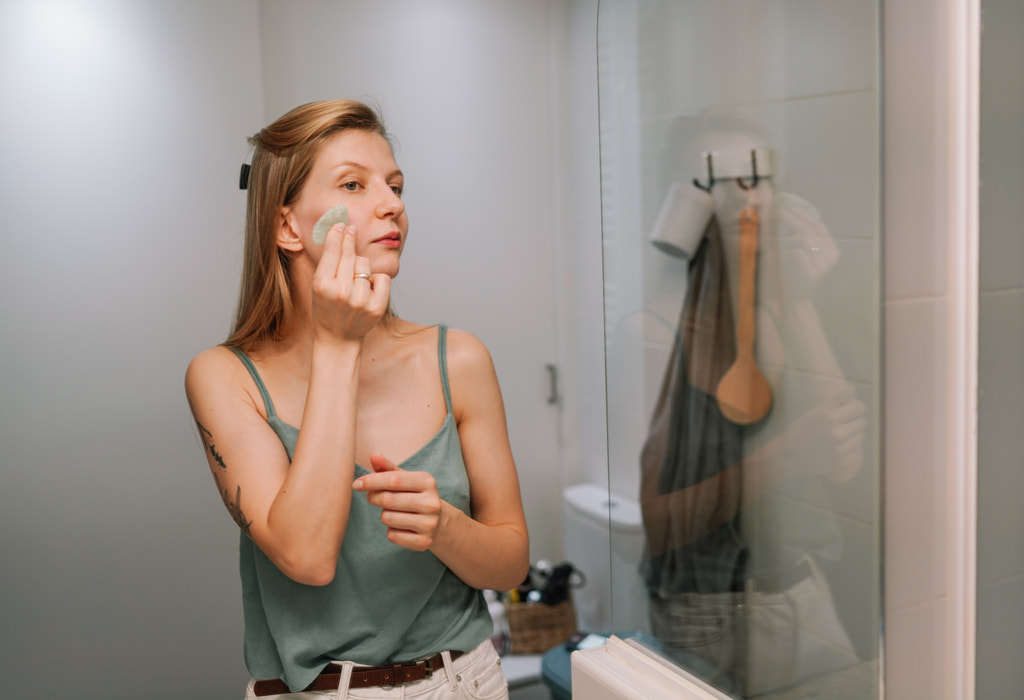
(295, 512)
(828, 434)
(491, 548)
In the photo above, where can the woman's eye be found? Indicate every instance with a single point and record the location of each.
(351, 186)
(397, 189)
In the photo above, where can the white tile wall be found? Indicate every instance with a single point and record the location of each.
(914, 486)
(915, 652)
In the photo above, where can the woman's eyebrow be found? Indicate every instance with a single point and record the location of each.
(350, 164)
(347, 164)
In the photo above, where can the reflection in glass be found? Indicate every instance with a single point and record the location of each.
(741, 294)
(765, 622)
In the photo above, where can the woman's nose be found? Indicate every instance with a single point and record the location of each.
(391, 204)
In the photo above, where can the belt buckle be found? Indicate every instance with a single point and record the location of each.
(428, 665)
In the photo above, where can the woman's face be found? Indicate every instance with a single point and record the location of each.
(357, 169)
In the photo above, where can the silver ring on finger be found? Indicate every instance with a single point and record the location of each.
(361, 276)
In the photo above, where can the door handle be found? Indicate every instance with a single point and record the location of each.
(552, 383)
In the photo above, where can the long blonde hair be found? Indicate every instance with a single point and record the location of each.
(282, 159)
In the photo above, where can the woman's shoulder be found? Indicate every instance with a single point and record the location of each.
(218, 357)
(472, 376)
(463, 346)
(212, 367)
(468, 359)
(464, 352)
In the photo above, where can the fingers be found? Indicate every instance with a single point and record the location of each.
(338, 260)
(380, 285)
(409, 502)
(394, 481)
(369, 290)
(347, 262)
(380, 463)
(348, 299)
(362, 287)
(332, 252)
(849, 419)
(409, 539)
(360, 269)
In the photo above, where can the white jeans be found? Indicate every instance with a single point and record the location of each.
(473, 676)
(758, 642)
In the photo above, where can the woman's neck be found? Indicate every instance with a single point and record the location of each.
(298, 344)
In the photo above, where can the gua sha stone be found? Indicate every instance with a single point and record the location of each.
(335, 215)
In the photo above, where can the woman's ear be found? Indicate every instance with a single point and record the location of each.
(288, 236)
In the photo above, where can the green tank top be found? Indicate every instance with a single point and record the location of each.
(386, 604)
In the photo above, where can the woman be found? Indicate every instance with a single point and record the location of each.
(364, 457)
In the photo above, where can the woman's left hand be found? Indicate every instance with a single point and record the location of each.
(411, 507)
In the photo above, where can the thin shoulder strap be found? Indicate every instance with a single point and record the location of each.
(256, 378)
(442, 360)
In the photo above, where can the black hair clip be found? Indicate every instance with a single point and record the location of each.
(243, 177)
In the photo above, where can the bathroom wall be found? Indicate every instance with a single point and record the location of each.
(585, 422)
(1000, 631)
(121, 133)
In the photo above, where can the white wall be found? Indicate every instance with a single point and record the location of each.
(122, 133)
(586, 441)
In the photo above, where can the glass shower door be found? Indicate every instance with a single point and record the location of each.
(740, 180)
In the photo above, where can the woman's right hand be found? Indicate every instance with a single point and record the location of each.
(346, 307)
(828, 439)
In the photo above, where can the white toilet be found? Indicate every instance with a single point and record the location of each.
(604, 539)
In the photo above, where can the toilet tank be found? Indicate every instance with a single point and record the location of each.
(604, 540)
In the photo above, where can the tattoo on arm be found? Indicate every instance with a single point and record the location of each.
(234, 507)
(208, 441)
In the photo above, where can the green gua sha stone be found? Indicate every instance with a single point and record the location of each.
(335, 215)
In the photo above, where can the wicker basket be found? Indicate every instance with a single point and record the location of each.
(534, 627)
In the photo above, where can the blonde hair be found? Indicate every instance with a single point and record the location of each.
(282, 159)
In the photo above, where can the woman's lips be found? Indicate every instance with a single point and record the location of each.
(392, 240)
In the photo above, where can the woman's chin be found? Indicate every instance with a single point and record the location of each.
(389, 270)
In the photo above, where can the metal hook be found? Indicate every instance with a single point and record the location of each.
(753, 165)
(711, 175)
